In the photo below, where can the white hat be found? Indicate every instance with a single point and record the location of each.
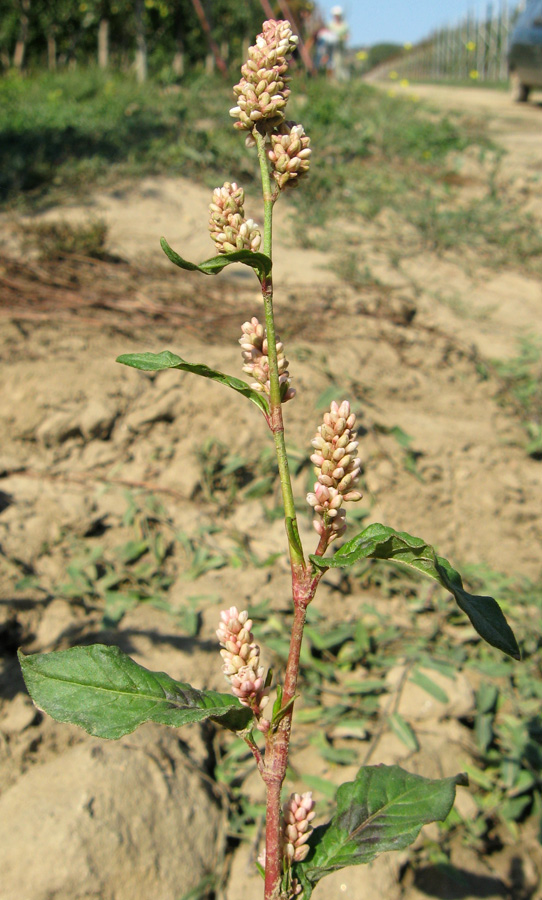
(337, 11)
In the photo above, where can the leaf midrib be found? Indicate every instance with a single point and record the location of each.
(130, 694)
(373, 816)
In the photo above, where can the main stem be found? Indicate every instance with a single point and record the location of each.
(276, 421)
(303, 586)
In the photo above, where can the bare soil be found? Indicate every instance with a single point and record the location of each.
(80, 433)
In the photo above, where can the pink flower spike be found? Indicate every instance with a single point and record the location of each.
(241, 656)
(337, 469)
(298, 813)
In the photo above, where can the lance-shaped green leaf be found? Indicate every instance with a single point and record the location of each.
(382, 542)
(105, 692)
(155, 362)
(383, 809)
(258, 261)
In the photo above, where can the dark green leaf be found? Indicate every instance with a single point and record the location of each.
(382, 542)
(155, 362)
(105, 692)
(258, 261)
(383, 809)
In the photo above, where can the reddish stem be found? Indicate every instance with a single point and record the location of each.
(276, 757)
(256, 754)
(273, 855)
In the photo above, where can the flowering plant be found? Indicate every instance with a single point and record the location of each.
(108, 694)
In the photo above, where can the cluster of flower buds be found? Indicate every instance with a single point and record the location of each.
(241, 657)
(337, 469)
(262, 92)
(289, 154)
(256, 362)
(229, 229)
(298, 814)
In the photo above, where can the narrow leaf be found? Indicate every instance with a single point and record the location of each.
(258, 261)
(429, 686)
(403, 731)
(317, 783)
(382, 542)
(155, 362)
(383, 809)
(105, 692)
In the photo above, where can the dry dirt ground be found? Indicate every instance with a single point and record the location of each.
(84, 440)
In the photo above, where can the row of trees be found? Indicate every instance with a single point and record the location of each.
(174, 33)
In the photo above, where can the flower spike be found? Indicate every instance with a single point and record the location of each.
(241, 657)
(227, 224)
(256, 363)
(262, 91)
(298, 813)
(289, 154)
(337, 470)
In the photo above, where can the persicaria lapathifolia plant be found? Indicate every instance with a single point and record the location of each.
(109, 695)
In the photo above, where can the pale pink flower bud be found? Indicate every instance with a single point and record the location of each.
(241, 657)
(256, 361)
(289, 154)
(227, 224)
(337, 469)
(298, 813)
(262, 91)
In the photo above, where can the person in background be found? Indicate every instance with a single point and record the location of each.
(337, 34)
(312, 24)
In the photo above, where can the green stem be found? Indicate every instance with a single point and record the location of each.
(277, 744)
(275, 419)
(268, 200)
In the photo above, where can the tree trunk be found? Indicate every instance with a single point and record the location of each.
(178, 63)
(141, 43)
(178, 59)
(20, 46)
(103, 44)
(51, 51)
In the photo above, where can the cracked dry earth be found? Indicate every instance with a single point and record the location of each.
(85, 439)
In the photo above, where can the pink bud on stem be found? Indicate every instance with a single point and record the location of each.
(298, 813)
(337, 469)
(241, 657)
(256, 362)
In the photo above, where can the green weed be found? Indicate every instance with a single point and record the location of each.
(522, 390)
(61, 132)
(55, 240)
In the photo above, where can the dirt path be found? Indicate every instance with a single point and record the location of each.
(517, 126)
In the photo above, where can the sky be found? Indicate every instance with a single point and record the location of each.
(398, 21)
